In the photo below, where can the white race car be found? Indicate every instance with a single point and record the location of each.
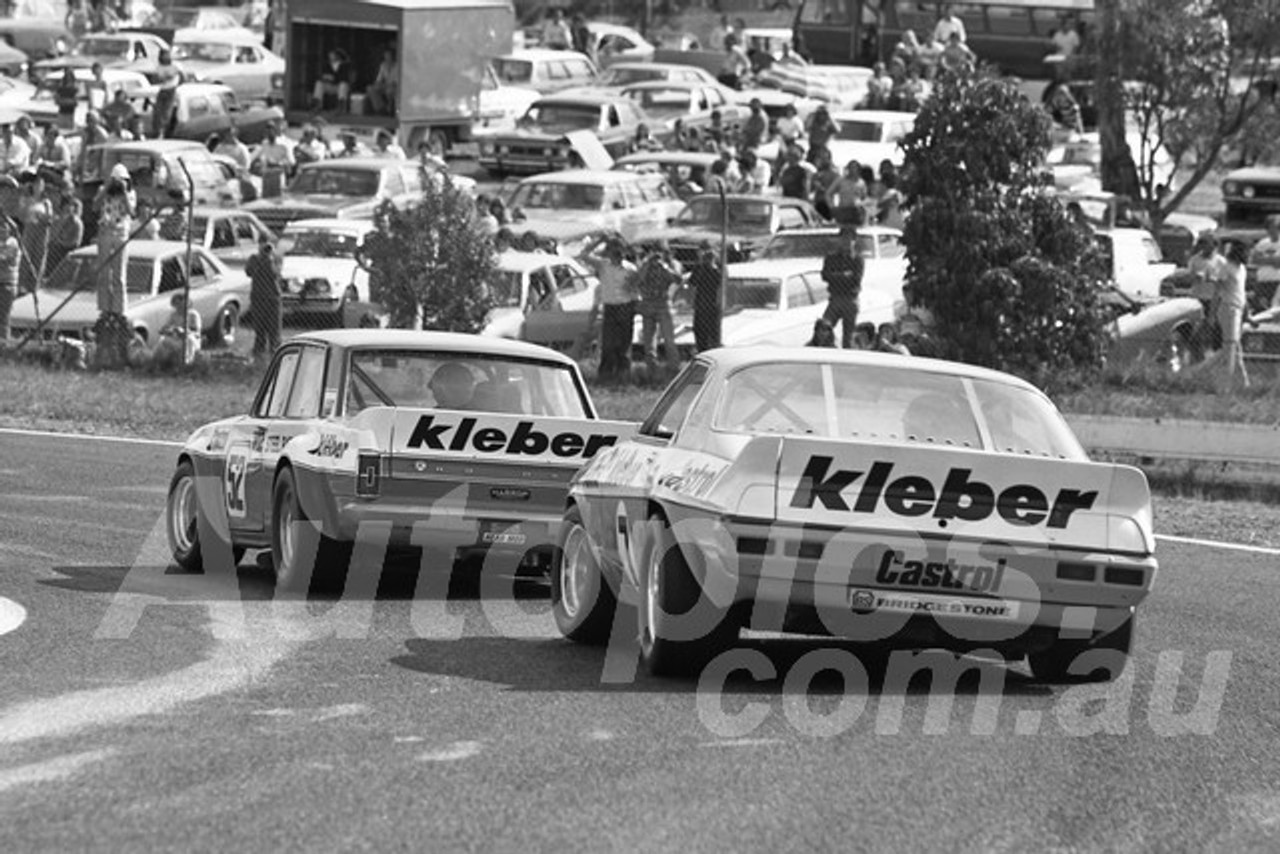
(421, 438)
(870, 496)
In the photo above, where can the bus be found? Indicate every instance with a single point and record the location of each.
(1012, 35)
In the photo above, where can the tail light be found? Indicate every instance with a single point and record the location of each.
(368, 474)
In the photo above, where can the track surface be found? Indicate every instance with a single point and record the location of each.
(215, 719)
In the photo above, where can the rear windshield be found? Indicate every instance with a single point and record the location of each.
(464, 381)
(889, 404)
(337, 182)
(513, 70)
(203, 52)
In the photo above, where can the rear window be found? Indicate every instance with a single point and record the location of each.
(513, 70)
(887, 404)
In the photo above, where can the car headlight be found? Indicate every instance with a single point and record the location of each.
(486, 148)
(1249, 192)
(277, 81)
(548, 152)
(292, 286)
(504, 149)
(318, 287)
(1230, 188)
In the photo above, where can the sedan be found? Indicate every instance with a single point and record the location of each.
(228, 234)
(748, 222)
(628, 202)
(870, 137)
(542, 298)
(241, 63)
(621, 74)
(155, 271)
(130, 51)
(691, 103)
(321, 272)
(540, 142)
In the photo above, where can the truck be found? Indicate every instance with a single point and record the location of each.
(442, 49)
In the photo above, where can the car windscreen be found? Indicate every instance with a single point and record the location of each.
(513, 70)
(856, 131)
(320, 243)
(662, 102)
(203, 52)
(554, 195)
(790, 245)
(337, 182)
(562, 116)
(103, 47)
(880, 403)
(751, 293)
(617, 76)
(466, 381)
(744, 215)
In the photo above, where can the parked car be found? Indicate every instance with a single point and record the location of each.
(13, 62)
(129, 51)
(1261, 345)
(500, 105)
(1249, 195)
(320, 270)
(539, 144)
(345, 189)
(616, 43)
(227, 234)
(542, 298)
(155, 269)
(624, 73)
(1156, 331)
(1134, 262)
(862, 495)
(38, 38)
(870, 136)
(386, 427)
(686, 171)
(884, 256)
(751, 222)
(201, 109)
(238, 61)
(173, 22)
(627, 202)
(42, 105)
(544, 70)
(692, 103)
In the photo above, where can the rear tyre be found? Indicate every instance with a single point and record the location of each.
(1058, 662)
(304, 559)
(581, 600)
(226, 325)
(673, 640)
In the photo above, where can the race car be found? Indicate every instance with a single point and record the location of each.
(870, 496)
(451, 441)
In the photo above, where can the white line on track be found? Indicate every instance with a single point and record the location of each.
(94, 437)
(1215, 544)
(51, 769)
(12, 615)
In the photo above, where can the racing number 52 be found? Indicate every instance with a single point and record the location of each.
(233, 478)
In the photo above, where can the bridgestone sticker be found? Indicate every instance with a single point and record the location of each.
(862, 601)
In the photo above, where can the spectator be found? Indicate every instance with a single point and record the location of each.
(583, 41)
(115, 205)
(681, 139)
(263, 270)
(820, 129)
(96, 92)
(1265, 256)
(909, 94)
(1062, 107)
(908, 51)
(756, 174)
(889, 207)
(1231, 307)
(823, 179)
(121, 110)
(720, 33)
(789, 127)
(657, 278)
(352, 147)
(272, 161)
(385, 145)
(381, 96)
(180, 335)
(23, 129)
(879, 88)
(736, 66)
(616, 298)
(846, 194)
(555, 31)
(794, 177)
(498, 210)
(167, 77)
(887, 340)
(148, 226)
(824, 334)
(842, 271)
(35, 215)
(10, 256)
(716, 181)
(715, 132)
(334, 83)
(704, 280)
(66, 95)
(310, 148)
(949, 25)
(53, 153)
(231, 146)
(732, 174)
(956, 56)
(67, 232)
(644, 139)
(756, 127)
(1065, 39)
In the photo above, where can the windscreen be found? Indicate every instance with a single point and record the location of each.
(557, 196)
(861, 131)
(792, 245)
(745, 215)
(202, 52)
(319, 243)
(92, 46)
(662, 102)
(751, 293)
(563, 116)
(337, 182)
(462, 381)
(878, 403)
(513, 70)
(619, 76)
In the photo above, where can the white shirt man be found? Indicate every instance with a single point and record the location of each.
(948, 23)
(1266, 253)
(1066, 41)
(15, 154)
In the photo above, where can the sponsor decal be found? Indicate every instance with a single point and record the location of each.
(218, 441)
(694, 480)
(258, 439)
(870, 601)
(959, 497)
(509, 493)
(234, 478)
(524, 440)
(948, 575)
(329, 446)
(274, 443)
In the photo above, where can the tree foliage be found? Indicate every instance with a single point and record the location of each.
(1012, 280)
(430, 262)
(1199, 82)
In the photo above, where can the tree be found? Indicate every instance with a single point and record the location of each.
(430, 262)
(1012, 280)
(1193, 78)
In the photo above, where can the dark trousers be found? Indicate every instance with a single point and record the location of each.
(844, 311)
(266, 329)
(616, 333)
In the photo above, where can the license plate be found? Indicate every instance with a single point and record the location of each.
(502, 534)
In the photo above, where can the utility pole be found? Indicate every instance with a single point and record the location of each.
(1119, 173)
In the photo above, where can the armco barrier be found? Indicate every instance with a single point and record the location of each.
(1165, 438)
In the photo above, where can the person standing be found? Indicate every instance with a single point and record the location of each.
(67, 232)
(9, 257)
(736, 66)
(704, 280)
(383, 92)
(820, 129)
(842, 271)
(755, 128)
(66, 96)
(1231, 306)
(35, 213)
(616, 300)
(15, 154)
(1265, 256)
(96, 88)
(846, 195)
(556, 33)
(167, 77)
(794, 176)
(949, 24)
(231, 146)
(115, 205)
(658, 276)
(272, 161)
(263, 270)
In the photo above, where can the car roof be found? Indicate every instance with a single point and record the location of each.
(515, 261)
(589, 177)
(689, 158)
(771, 268)
(873, 116)
(544, 53)
(666, 84)
(146, 249)
(582, 97)
(661, 66)
(734, 358)
(237, 38)
(457, 342)
(1254, 173)
(153, 145)
(359, 164)
(827, 230)
(361, 226)
(747, 197)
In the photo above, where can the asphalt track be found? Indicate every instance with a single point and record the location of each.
(141, 709)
